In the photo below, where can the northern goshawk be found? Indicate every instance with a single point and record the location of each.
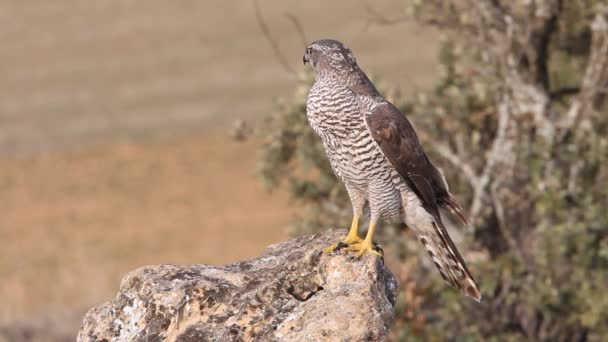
(374, 151)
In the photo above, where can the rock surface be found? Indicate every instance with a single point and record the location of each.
(290, 293)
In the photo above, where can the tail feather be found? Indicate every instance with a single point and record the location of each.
(449, 203)
(444, 198)
(448, 260)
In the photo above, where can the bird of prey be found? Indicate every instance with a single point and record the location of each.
(374, 151)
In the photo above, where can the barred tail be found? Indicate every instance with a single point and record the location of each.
(448, 260)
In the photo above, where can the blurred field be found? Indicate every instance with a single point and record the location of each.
(113, 144)
(115, 70)
(77, 223)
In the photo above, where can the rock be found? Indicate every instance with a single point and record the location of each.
(291, 293)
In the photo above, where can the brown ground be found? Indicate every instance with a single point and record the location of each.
(113, 152)
(73, 225)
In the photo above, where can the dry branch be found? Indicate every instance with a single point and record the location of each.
(271, 40)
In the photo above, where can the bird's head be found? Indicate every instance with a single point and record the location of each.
(329, 57)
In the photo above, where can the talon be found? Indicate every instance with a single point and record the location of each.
(341, 245)
(378, 247)
(336, 247)
(349, 241)
(365, 248)
(330, 249)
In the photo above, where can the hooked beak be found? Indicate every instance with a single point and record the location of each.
(304, 59)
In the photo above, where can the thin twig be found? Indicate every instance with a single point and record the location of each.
(500, 147)
(296, 23)
(595, 77)
(449, 155)
(273, 43)
(559, 93)
(502, 223)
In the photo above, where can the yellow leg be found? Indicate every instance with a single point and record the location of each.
(353, 233)
(350, 239)
(367, 246)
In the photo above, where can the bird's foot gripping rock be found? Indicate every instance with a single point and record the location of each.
(361, 248)
(348, 241)
(365, 247)
(335, 247)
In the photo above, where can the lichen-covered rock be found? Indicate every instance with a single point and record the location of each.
(290, 293)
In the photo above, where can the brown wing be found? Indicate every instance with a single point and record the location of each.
(396, 137)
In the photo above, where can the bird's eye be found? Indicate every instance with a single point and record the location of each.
(308, 50)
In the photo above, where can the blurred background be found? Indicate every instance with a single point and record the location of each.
(115, 137)
(144, 132)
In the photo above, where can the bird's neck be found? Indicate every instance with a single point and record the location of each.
(352, 78)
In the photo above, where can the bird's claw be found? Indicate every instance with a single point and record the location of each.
(366, 248)
(335, 247)
(361, 248)
(349, 241)
(341, 245)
